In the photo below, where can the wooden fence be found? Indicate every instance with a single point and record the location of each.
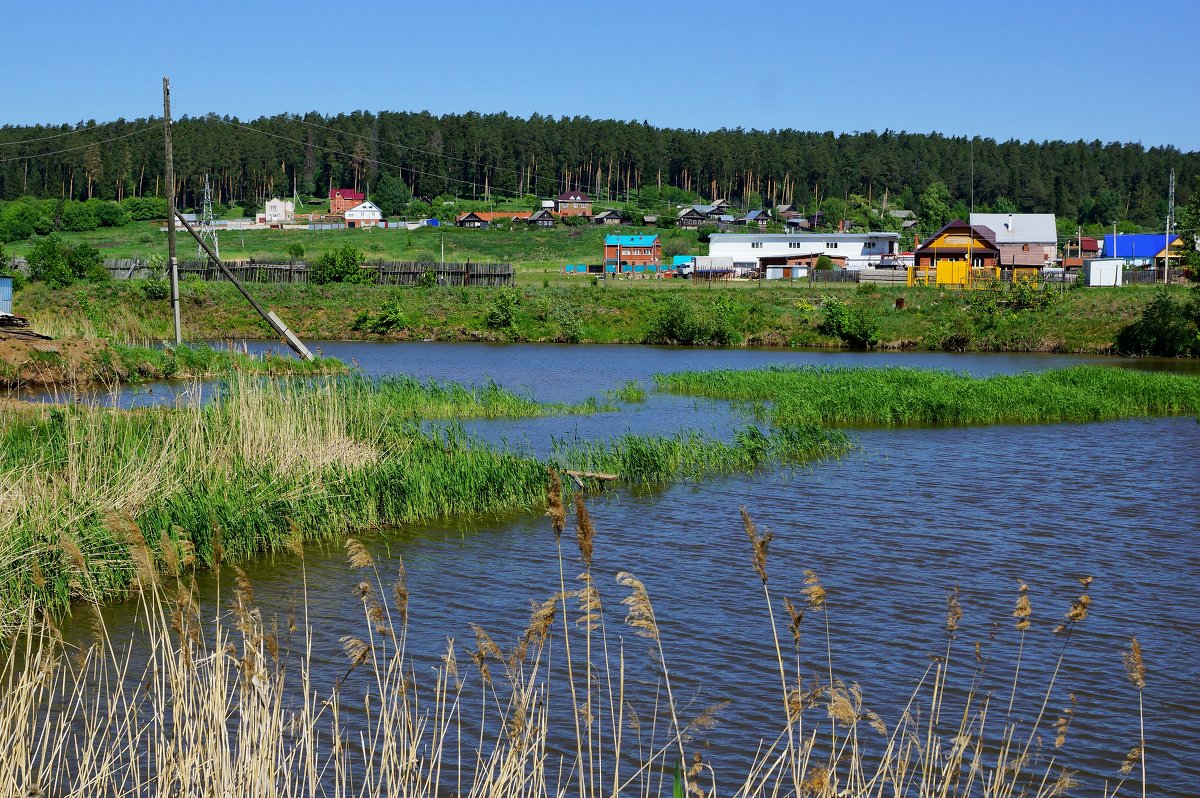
(380, 272)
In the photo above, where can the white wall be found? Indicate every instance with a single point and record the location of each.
(860, 250)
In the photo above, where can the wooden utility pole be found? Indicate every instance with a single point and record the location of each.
(173, 261)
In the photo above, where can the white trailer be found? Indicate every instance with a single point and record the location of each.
(1102, 271)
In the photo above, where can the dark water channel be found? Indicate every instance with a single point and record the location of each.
(890, 528)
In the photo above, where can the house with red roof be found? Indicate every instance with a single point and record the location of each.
(343, 199)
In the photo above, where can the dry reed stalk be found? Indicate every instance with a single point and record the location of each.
(1135, 668)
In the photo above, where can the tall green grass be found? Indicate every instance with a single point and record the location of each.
(649, 459)
(97, 501)
(907, 396)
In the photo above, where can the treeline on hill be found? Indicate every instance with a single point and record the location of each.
(473, 156)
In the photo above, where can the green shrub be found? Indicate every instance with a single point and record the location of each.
(48, 262)
(295, 250)
(390, 317)
(824, 263)
(856, 325)
(144, 209)
(342, 265)
(677, 323)
(503, 311)
(1167, 328)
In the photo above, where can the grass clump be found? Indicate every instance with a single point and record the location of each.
(689, 455)
(905, 396)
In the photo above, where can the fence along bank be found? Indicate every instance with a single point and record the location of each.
(382, 272)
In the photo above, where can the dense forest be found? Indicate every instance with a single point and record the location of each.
(475, 156)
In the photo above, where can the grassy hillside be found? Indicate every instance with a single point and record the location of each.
(622, 311)
(529, 249)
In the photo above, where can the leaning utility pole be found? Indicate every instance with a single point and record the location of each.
(269, 316)
(172, 260)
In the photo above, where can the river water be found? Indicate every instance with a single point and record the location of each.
(890, 528)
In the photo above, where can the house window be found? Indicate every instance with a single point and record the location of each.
(794, 244)
(1025, 248)
(831, 245)
(756, 245)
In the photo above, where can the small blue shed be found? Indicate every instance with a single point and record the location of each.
(6, 295)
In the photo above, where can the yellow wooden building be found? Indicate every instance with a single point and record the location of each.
(957, 256)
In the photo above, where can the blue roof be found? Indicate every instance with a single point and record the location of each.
(630, 241)
(1136, 245)
(681, 260)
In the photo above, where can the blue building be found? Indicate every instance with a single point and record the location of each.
(1142, 249)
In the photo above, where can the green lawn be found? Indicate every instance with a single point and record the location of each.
(537, 251)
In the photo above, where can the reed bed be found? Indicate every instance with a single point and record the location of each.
(98, 501)
(914, 397)
(649, 459)
(228, 702)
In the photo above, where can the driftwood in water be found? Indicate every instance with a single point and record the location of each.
(580, 476)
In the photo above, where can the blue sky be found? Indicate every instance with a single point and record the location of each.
(1026, 70)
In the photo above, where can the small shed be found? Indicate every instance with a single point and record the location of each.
(6, 295)
(1102, 271)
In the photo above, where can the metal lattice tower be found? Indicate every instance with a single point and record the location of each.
(208, 230)
(1170, 224)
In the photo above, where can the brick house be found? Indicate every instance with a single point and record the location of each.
(644, 250)
(343, 199)
(573, 203)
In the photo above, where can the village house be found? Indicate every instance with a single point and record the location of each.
(757, 219)
(542, 218)
(343, 199)
(1025, 239)
(482, 219)
(364, 214)
(958, 255)
(573, 203)
(1143, 249)
(1077, 250)
(908, 219)
(278, 211)
(632, 252)
(690, 218)
(607, 217)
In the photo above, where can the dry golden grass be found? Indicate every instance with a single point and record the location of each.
(227, 704)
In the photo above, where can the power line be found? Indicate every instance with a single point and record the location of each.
(76, 131)
(368, 159)
(80, 147)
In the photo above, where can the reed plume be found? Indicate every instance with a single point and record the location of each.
(813, 590)
(795, 617)
(585, 533)
(759, 543)
(400, 591)
(358, 555)
(641, 612)
(554, 503)
(954, 612)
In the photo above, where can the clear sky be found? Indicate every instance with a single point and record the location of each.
(1026, 70)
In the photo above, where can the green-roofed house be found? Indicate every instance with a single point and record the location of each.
(632, 253)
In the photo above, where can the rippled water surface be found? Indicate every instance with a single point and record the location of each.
(890, 528)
